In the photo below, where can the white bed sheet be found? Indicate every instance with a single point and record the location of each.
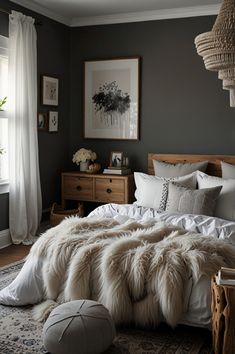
(27, 288)
(207, 225)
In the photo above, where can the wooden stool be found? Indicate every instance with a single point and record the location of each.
(223, 318)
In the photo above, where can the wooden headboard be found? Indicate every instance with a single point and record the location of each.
(213, 168)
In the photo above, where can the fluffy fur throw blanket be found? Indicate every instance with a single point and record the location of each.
(139, 271)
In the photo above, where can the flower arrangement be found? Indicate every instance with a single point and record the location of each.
(110, 100)
(83, 155)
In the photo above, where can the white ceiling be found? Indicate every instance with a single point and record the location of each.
(89, 12)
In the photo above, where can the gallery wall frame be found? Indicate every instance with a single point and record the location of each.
(53, 122)
(42, 122)
(112, 98)
(49, 90)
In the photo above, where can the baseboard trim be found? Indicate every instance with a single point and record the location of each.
(5, 238)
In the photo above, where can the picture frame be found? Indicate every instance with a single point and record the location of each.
(116, 159)
(111, 99)
(53, 122)
(49, 90)
(42, 122)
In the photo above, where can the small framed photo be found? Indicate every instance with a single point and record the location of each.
(42, 121)
(53, 122)
(116, 159)
(50, 90)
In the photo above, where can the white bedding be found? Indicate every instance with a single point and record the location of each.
(207, 225)
(27, 287)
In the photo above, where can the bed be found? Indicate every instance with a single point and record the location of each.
(145, 266)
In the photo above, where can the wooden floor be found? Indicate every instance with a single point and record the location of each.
(13, 254)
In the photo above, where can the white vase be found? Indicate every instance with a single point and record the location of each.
(84, 166)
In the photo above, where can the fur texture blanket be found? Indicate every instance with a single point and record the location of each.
(139, 271)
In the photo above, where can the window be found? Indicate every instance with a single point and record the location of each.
(3, 110)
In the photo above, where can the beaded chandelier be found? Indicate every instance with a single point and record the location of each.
(217, 47)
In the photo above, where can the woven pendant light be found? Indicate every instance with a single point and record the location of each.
(217, 47)
(227, 74)
(232, 97)
(228, 80)
(228, 84)
(228, 77)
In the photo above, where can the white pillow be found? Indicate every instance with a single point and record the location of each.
(169, 170)
(152, 191)
(228, 170)
(225, 206)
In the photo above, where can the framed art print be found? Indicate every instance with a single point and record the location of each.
(111, 99)
(53, 122)
(50, 90)
(42, 121)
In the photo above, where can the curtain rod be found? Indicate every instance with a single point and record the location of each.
(37, 23)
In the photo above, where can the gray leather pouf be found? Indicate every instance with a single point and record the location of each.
(78, 327)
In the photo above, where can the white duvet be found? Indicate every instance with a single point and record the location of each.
(27, 288)
(207, 225)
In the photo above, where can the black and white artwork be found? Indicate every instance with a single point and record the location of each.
(116, 159)
(42, 121)
(112, 99)
(53, 122)
(50, 91)
(110, 103)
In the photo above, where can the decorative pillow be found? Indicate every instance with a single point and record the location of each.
(228, 170)
(191, 201)
(225, 206)
(169, 170)
(152, 191)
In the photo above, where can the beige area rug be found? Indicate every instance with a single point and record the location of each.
(20, 334)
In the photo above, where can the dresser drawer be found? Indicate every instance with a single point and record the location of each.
(96, 188)
(110, 190)
(78, 188)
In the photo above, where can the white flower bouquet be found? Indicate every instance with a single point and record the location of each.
(83, 155)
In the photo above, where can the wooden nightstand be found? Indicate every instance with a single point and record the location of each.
(223, 318)
(99, 188)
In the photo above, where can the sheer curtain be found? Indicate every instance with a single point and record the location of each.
(25, 190)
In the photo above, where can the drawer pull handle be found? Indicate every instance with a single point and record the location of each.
(109, 190)
(78, 188)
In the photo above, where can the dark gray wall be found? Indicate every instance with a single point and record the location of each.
(183, 107)
(53, 44)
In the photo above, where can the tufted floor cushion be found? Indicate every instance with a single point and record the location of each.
(78, 327)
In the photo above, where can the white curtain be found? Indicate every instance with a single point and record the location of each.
(25, 190)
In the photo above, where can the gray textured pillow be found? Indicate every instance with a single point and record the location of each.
(152, 191)
(168, 170)
(225, 206)
(228, 170)
(189, 201)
